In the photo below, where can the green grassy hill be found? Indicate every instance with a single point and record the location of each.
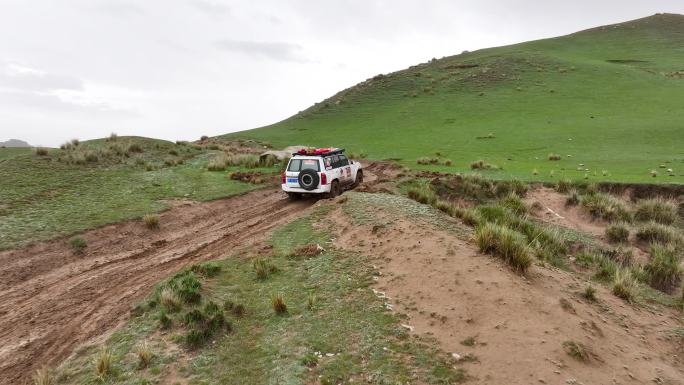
(102, 181)
(607, 100)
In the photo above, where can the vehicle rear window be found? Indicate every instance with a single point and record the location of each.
(303, 164)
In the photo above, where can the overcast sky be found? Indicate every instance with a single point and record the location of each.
(178, 69)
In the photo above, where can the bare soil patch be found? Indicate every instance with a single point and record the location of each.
(505, 328)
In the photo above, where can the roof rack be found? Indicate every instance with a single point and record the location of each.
(319, 152)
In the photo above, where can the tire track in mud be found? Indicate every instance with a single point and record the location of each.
(53, 301)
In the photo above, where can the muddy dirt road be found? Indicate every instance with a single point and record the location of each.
(53, 300)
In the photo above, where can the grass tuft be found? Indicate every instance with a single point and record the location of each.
(664, 269)
(553, 156)
(653, 232)
(656, 210)
(423, 195)
(482, 165)
(103, 362)
(573, 198)
(563, 185)
(506, 243)
(606, 207)
(589, 293)
(278, 304)
(263, 268)
(151, 221)
(43, 376)
(78, 244)
(576, 350)
(169, 299)
(144, 353)
(624, 285)
(617, 233)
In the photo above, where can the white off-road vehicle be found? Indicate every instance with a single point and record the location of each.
(320, 171)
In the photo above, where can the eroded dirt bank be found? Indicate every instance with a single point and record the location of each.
(54, 300)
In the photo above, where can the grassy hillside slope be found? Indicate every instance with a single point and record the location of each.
(607, 100)
(99, 182)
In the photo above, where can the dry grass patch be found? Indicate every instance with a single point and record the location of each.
(656, 210)
(506, 243)
(606, 207)
(278, 304)
(664, 269)
(617, 233)
(43, 376)
(653, 232)
(144, 354)
(625, 285)
(103, 362)
(151, 221)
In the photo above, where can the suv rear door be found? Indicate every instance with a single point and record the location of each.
(296, 165)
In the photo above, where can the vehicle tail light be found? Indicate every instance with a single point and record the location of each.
(282, 177)
(324, 179)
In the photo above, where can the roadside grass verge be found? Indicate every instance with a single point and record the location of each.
(335, 330)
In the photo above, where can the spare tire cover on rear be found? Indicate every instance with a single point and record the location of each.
(308, 179)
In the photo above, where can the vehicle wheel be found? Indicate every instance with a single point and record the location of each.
(359, 178)
(294, 196)
(334, 189)
(308, 180)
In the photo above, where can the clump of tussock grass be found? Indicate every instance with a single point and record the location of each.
(448, 162)
(606, 207)
(263, 268)
(427, 160)
(151, 221)
(656, 210)
(606, 269)
(134, 148)
(218, 162)
(624, 285)
(144, 353)
(169, 299)
(617, 233)
(43, 376)
(208, 269)
(237, 309)
(482, 165)
(164, 320)
(243, 160)
(204, 324)
(553, 156)
(423, 194)
(103, 362)
(589, 293)
(573, 198)
(78, 245)
(307, 251)
(311, 301)
(514, 203)
(478, 187)
(278, 304)
(576, 350)
(653, 232)
(664, 269)
(585, 259)
(508, 244)
(113, 137)
(41, 151)
(563, 185)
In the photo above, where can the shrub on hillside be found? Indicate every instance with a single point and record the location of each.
(151, 221)
(606, 207)
(657, 210)
(653, 232)
(40, 151)
(624, 285)
(482, 165)
(508, 244)
(553, 156)
(617, 233)
(563, 185)
(664, 269)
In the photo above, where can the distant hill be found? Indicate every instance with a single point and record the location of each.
(14, 143)
(607, 101)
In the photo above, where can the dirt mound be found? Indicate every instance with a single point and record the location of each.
(508, 329)
(54, 300)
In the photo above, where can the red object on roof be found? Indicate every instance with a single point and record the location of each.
(315, 151)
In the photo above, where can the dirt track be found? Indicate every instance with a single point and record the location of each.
(53, 300)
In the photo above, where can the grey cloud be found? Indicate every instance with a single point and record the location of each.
(272, 50)
(37, 81)
(210, 7)
(54, 103)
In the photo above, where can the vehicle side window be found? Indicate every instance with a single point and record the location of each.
(343, 161)
(329, 162)
(295, 165)
(335, 160)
